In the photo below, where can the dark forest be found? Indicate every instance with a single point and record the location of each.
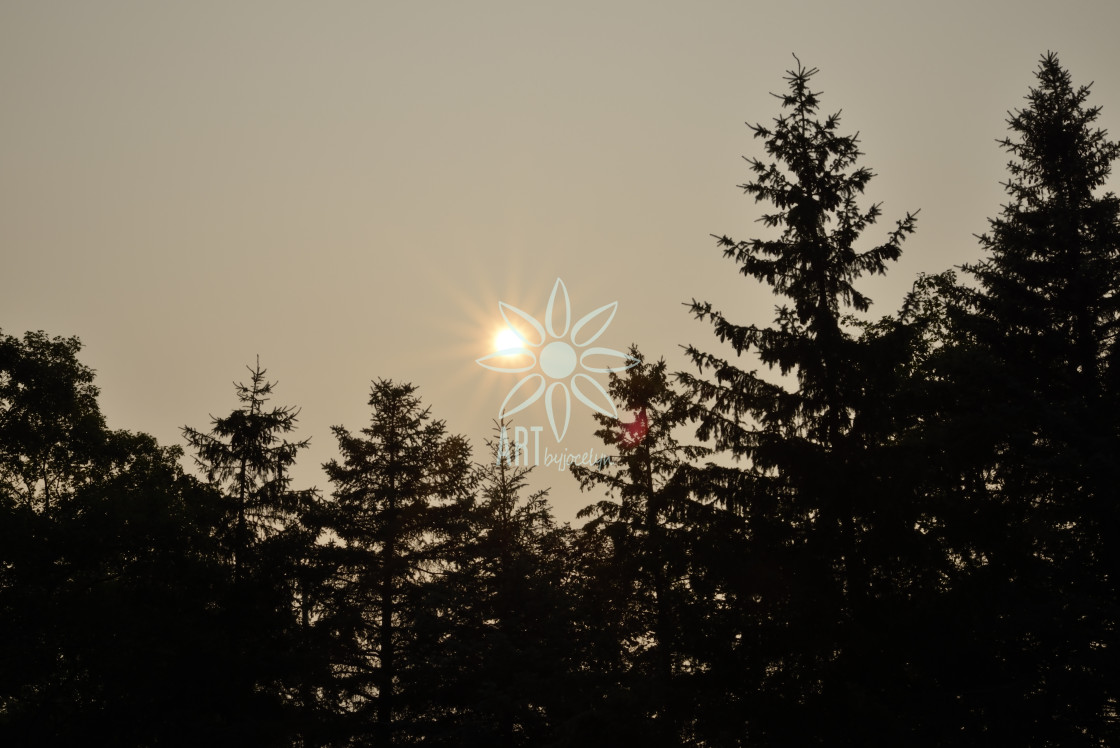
(832, 530)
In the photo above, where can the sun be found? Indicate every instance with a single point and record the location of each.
(506, 338)
(557, 350)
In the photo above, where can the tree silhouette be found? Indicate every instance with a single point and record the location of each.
(652, 530)
(805, 491)
(501, 611)
(109, 576)
(1043, 322)
(50, 425)
(246, 455)
(396, 485)
(267, 539)
(902, 532)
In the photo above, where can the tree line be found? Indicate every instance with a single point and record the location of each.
(892, 532)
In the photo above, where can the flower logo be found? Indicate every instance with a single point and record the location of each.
(557, 353)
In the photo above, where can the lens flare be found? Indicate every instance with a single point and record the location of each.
(506, 339)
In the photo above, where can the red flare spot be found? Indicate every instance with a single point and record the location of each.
(635, 431)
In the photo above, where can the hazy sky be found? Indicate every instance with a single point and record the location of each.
(349, 188)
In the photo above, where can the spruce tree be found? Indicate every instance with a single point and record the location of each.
(803, 487)
(1044, 325)
(657, 591)
(398, 489)
(503, 609)
(247, 458)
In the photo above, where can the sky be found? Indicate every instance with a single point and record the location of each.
(348, 189)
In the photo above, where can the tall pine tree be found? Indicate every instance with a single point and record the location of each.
(804, 485)
(503, 610)
(657, 592)
(1044, 322)
(399, 487)
(247, 458)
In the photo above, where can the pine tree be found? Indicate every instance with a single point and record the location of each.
(399, 486)
(246, 455)
(1044, 320)
(267, 539)
(804, 488)
(504, 611)
(657, 590)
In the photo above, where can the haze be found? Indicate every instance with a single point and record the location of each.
(349, 189)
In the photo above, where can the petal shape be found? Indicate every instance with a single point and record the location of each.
(507, 310)
(527, 401)
(602, 401)
(506, 361)
(559, 287)
(587, 319)
(626, 361)
(552, 388)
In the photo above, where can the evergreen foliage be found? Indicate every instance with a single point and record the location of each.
(398, 485)
(1042, 327)
(894, 532)
(266, 542)
(807, 491)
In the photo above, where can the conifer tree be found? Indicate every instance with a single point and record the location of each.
(246, 454)
(502, 606)
(399, 486)
(804, 485)
(1044, 323)
(652, 578)
(266, 538)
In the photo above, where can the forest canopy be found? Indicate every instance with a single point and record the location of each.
(833, 529)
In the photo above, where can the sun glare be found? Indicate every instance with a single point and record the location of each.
(506, 339)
